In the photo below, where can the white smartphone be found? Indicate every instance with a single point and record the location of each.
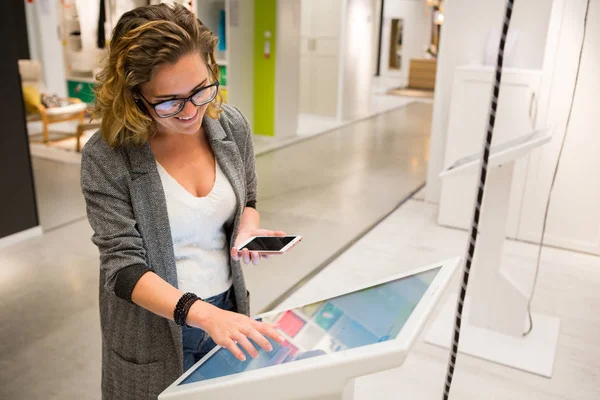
(270, 244)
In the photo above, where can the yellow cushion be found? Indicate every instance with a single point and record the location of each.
(32, 99)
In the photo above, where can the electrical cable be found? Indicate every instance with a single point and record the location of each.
(478, 200)
(562, 145)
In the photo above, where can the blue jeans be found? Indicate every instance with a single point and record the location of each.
(196, 342)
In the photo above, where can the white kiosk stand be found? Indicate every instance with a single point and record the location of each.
(495, 314)
(328, 343)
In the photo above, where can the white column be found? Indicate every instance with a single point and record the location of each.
(357, 49)
(287, 68)
(45, 44)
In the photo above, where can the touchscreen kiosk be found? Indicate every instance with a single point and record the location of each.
(502, 153)
(328, 342)
(496, 310)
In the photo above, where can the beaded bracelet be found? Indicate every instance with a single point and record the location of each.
(183, 308)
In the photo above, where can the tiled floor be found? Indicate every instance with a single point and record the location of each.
(311, 125)
(332, 188)
(50, 335)
(329, 188)
(58, 193)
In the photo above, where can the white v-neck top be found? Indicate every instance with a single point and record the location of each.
(198, 233)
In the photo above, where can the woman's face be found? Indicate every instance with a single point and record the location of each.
(179, 80)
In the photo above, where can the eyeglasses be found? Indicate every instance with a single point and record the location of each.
(169, 108)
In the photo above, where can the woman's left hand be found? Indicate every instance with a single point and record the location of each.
(251, 256)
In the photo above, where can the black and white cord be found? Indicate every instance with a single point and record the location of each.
(562, 145)
(478, 200)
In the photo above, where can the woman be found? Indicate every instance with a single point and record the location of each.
(169, 184)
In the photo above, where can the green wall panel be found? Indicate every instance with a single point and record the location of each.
(265, 19)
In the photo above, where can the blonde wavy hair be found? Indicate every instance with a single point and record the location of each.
(142, 40)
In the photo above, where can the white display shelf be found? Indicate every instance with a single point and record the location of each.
(239, 44)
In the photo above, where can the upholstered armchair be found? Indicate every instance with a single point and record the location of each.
(33, 87)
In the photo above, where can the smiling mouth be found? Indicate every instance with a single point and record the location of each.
(187, 119)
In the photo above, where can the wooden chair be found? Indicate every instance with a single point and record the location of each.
(84, 127)
(31, 76)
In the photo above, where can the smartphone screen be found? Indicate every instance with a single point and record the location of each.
(268, 243)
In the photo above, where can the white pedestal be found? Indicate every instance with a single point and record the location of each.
(533, 353)
(495, 317)
(347, 394)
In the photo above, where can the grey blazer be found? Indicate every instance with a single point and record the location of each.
(126, 207)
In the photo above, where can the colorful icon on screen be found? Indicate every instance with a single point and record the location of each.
(290, 323)
(328, 316)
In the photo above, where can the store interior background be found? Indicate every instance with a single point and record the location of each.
(356, 106)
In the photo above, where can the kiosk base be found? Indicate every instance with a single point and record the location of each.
(346, 394)
(533, 353)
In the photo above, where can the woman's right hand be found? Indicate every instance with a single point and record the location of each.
(229, 329)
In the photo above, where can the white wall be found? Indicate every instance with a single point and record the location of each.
(357, 53)
(32, 33)
(320, 54)
(287, 68)
(45, 44)
(240, 48)
(574, 216)
(336, 71)
(416, 34)
(467, 24)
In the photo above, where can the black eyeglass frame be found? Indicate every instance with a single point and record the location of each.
(185, 99)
